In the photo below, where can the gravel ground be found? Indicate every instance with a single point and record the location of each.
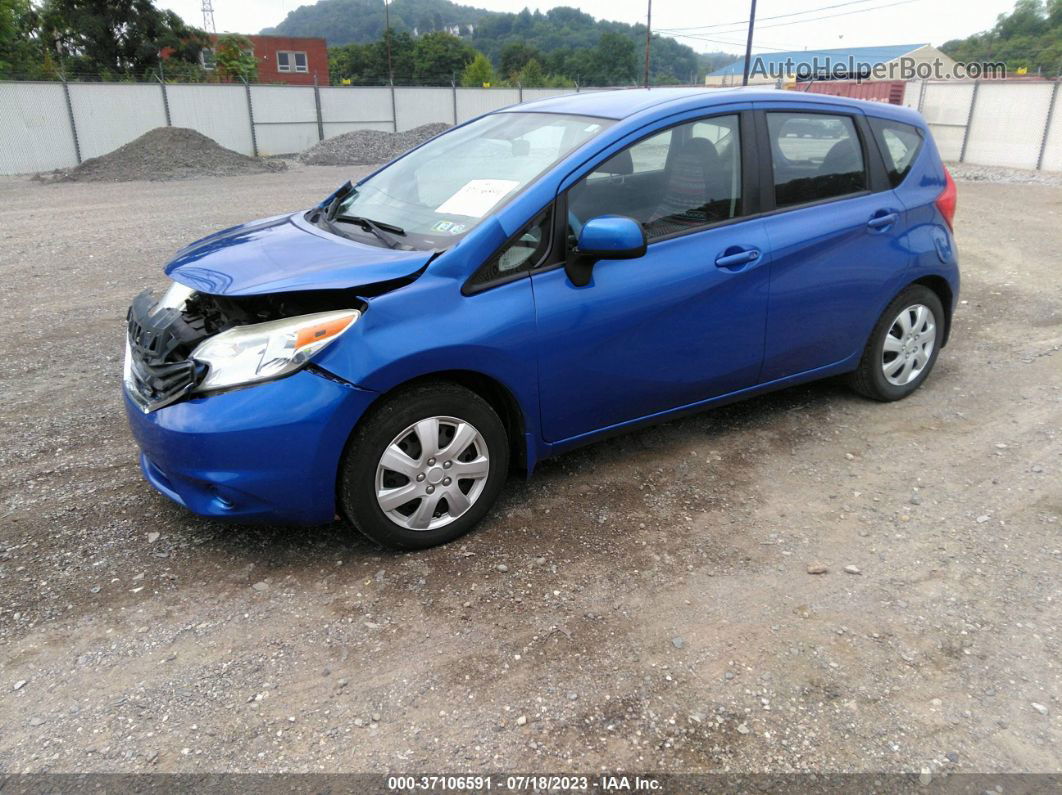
(645, 603)
(362, 147)
(1015, 176)
(166, 153)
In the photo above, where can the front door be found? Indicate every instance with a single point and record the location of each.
(683, 323)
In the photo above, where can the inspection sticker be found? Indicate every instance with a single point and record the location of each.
(476, 197)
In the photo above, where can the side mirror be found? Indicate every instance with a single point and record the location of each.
(604, 237)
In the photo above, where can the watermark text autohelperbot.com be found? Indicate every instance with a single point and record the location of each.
(824, 67)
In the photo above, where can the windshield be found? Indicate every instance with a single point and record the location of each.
(433, 196)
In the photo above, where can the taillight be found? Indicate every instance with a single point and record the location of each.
(947, 199)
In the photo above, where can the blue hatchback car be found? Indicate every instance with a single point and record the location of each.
(529, 281)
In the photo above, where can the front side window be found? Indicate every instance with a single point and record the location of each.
(439, 192)
(814, 156)
(206, 59)
(300, 61)
(900, 144)
(680, 179)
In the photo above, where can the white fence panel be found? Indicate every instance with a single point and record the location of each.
(345, 109)
(217, 111)
(1053, 149)
(417, 106)
(285, 119)
(946, 107)
(1007, 127)
(35, 132)
(472, 102)
(531, 94)
(912, 90)
(112, 114)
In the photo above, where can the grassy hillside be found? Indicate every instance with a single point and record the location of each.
(558, 36)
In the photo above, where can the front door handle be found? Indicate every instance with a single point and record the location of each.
(883, 221)
(735, 257)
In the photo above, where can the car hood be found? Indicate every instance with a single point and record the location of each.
(284, 254)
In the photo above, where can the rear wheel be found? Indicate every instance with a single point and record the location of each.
(425, 467)
(903, 346)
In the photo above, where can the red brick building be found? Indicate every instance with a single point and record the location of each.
(285, 59)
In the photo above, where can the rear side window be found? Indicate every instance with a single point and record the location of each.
(900, 144)
(814, 156)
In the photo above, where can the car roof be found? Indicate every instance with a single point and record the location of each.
(626, 102)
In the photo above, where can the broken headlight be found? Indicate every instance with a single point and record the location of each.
(261, 351)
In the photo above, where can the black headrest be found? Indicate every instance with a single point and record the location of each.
(700, 150)
(620, 163)
(842, 158)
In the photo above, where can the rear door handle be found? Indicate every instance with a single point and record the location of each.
(883, 221)
(735, 256)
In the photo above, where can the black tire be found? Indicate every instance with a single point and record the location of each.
(869, 379)
(356, 485)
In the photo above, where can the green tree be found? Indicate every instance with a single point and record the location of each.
(562, 39)
(437, 57)
(514, 57)
(234, 58)
(479, 73)
(1029, 37)
(348, 63)
(115, 37)
(532, 75)
(401, 57)
(21, 53)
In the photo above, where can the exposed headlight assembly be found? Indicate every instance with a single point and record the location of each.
(262, 351)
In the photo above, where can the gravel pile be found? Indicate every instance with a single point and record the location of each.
(362, 147)
(167, 153)
(1017, 176)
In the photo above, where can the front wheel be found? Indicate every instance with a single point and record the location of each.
(424, 467)
(903, 346)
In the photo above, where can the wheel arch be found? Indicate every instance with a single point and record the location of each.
(498, 396)
(939, 285)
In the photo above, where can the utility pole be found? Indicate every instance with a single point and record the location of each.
(648, 39)
(748, 45)
(387, 38)
(208, 16)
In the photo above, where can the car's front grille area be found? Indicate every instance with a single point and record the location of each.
(159, 370)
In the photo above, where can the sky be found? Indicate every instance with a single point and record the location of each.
(830, 23)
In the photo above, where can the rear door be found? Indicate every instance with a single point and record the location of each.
(836, 233)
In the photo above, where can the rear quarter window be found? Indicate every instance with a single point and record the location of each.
(899, 144)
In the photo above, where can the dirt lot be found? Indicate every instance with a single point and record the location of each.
(642, 604)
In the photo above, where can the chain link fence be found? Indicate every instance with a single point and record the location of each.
(57, 125)
(1011, 123)
(54, 125)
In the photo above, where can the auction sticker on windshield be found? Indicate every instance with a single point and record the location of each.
(476, 197)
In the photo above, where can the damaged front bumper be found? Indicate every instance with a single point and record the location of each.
(270, 451)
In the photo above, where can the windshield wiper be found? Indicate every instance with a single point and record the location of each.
(380, 230)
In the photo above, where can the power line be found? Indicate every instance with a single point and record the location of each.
(813, 19)
(759, 46)
(744, 22)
